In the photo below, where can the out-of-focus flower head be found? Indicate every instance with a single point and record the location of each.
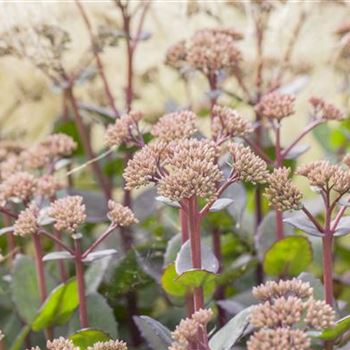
(124, 130)
(175, 126)
(276, 106)
(68, 213)
(20, 185)
(47, 186)
(27, 222)
(227, 122)
(213, 50)
(120, 215)
(325, 110)
(191, 171)
(281, 193)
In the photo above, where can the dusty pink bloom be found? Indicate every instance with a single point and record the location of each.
(47, 186)
(281, 193)
(123, 130)
(26, 224)
(325, 110)
(319, 315)
(60, 344)
(276, 106)
(109, 345)
(175, 126)
(120, 215)
(68, 213)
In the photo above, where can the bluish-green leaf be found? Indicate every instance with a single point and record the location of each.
(156, 335)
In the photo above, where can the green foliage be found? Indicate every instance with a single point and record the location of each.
(88, 337)
(289, 256)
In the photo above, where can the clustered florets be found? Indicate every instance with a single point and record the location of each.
(326, 176)
(247, 165)
(52, 148)
(227, 122)
(324, 110)
(27, 222)
(286, 307)
(276, 106)
(143, 168)
(109, 345)
(209, 51)
(120, 215)
(21, 185)
(61, 344)
(66, 344)
(188, 330)
(47, 186)
(281, 193)
(68, 213)
(175, 126)
(124, 130)
(191, 171)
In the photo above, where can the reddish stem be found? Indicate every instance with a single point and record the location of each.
(60, 263)
(195, 240)
(40, 271)
(87, 145)
(184, 238)
(11, 242)
(97, 58)
(279, 163)
(79, 271)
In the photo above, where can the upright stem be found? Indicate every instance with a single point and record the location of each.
(60, 263)
(40, 271)
(279, 163)
(87, 145)
(79, 271)
(184, 238)
(195, 240)
(97, 58)
(11, 242)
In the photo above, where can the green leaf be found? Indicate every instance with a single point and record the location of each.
(157, 336)
(301, 222)
(221, 204)
(169, 283)
(18, 343)
(88, 337)
(230, 334)
(25, 288)
(100, 316)
(291, 256)
(335, 332)
(183, 261)
(59, 306)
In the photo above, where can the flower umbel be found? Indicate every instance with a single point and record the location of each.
(227, 122)
(175, 126)
(68, 213)
(61, 344)
(109, 345)
(276, 106)
(120, 215)
(191, 170)
(26, 224)
(247, 165)
(281, 193)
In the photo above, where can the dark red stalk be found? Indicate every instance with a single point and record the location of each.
(60, 263)
(40, 271)
(87, 145)
(195, 239)
(279, 163)
(97, 58)
(184, 238)
(79, 271)
(11, 242)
